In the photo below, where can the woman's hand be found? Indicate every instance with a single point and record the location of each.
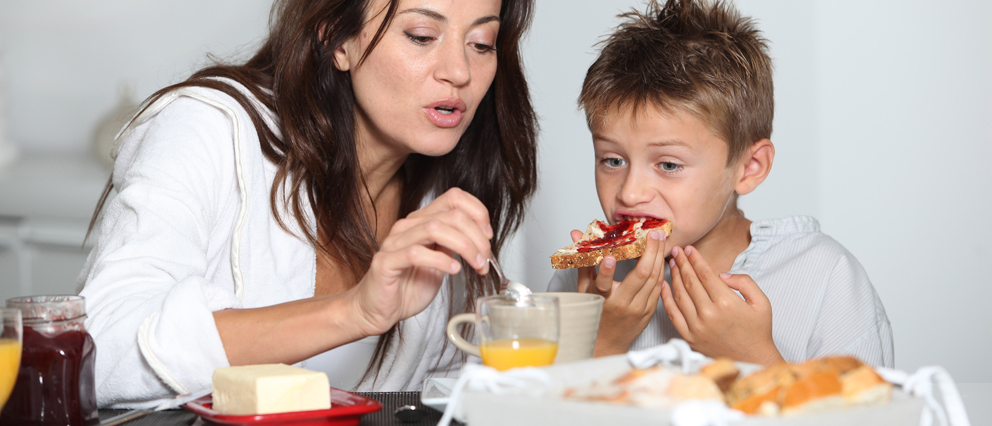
(630, 304)
(712, 318)
(408, 270)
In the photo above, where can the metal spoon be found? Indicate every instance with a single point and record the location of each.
(503, 282)
(506, 286)
(409, 413)
(138, 413)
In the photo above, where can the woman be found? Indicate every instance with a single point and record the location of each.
(314, 197)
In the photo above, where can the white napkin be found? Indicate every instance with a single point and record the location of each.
(527, 381)
(920, 385)
(668, 353)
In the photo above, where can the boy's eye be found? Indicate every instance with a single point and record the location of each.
(614, 162)
(669, 167)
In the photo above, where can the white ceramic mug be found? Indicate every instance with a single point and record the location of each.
(580, 313)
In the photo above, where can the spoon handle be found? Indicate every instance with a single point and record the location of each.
(503, 282)
(126, 417)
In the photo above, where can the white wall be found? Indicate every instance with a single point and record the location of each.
(65, 59)
(882, 129)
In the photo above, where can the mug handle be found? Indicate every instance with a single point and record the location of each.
(457, 338)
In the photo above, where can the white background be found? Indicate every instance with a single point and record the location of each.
(883, 129)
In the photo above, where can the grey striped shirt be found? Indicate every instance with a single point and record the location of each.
(822, 301)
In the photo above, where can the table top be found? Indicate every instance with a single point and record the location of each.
(976, 397)
(384, 417)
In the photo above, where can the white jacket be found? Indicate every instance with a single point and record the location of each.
(191, 231)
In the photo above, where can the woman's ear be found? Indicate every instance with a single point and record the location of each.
(342, 60)
(754, 166)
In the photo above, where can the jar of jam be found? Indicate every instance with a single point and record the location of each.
(56, 383)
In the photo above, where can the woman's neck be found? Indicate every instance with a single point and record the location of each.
(378, 161)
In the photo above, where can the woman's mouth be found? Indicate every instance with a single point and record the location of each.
(446, 113)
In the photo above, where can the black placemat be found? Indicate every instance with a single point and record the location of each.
(164, 417)
(391, 401)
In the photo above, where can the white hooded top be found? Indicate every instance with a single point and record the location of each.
(191, 231)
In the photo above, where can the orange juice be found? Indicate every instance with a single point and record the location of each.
(10, 360)
(512, 353)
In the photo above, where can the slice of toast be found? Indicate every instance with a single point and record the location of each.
(625, 240)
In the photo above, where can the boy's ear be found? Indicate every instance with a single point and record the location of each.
(754, 166)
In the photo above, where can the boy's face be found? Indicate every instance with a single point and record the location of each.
(665, 166)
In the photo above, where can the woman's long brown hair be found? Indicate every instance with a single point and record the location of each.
(293, 75)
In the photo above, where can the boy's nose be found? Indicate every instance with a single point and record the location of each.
(634, 190)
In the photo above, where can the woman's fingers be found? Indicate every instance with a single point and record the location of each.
(454, 229)
(418, 256)
(457, 199)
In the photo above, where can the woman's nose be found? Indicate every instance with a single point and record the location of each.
(452, 64)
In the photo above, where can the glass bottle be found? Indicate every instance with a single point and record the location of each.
(56, 383)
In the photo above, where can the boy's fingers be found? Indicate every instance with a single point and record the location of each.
(672, 310)
(680, 296)
(587, 276)
(645, 275)
(604, 279)
(576, 235)
(708, 279)
(748, 288)
(648, 296)
(689, 278)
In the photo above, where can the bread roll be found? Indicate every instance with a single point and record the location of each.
(816, 385)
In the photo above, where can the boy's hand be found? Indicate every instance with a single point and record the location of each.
(712, 318)
(629, 305)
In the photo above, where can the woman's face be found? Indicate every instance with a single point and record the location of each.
(420, 86)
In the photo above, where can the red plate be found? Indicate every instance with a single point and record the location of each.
(346, 409)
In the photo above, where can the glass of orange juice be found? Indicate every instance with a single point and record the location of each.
(513, 331)
(10, 352)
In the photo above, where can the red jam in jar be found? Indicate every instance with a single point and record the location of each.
(56, 382)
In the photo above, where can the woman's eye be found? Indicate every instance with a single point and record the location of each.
(669, 167)
(418, 39)
(483, 48)
(614, 162)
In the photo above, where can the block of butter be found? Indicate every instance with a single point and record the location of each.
(269, 388)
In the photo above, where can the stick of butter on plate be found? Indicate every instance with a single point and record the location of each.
(269, 388)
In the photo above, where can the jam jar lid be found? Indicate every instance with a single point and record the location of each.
(49, 308)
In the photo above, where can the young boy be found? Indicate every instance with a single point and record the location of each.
(680, 106)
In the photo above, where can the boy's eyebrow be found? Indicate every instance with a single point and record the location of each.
(444, 19)
(670, 142)
(659, 143)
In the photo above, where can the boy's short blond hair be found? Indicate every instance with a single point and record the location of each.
(688, 55)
